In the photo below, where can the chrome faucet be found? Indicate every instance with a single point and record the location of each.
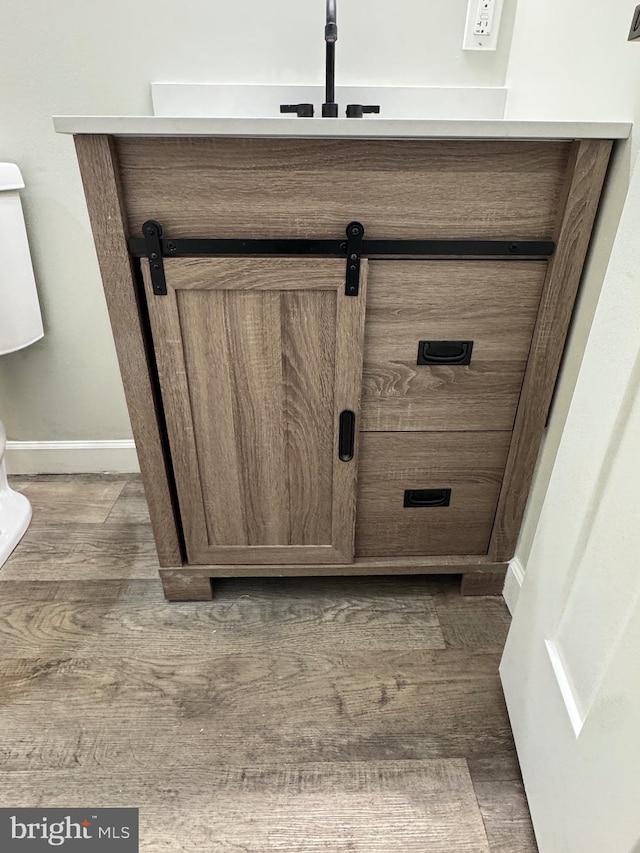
(330, 108)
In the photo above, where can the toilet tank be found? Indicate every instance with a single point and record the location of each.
(20, 318)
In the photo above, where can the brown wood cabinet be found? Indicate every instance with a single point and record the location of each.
(292, 417)
(257, 360)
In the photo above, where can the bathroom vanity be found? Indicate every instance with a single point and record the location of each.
(339, 343)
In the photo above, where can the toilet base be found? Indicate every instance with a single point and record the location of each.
(15, 515)
(15, 509)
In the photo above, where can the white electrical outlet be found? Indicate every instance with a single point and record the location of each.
(484, 17)
(483, 23)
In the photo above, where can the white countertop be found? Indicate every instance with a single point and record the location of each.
(366, 128)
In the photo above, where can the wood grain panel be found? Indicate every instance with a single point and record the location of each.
(309, 368)
(492, 303)
(254, 380)
(255, 618)
(506, 818)
(428, 718)
(470, 464)
(342, 808)
(131, 507)
(478, 625)
(403, 565)
(100, 178)
(125, 549)
(256, 274)
(487, 583)
(61, 499)
(239, 434)
(292, 704)
(585, 178)
(80, 551)
(314, 188)
(178, 586)
(348, 391)
(313, 671)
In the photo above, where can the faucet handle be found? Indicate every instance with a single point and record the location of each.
(357, 110)
(301, 110)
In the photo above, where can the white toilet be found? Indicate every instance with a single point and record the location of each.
(20, 325)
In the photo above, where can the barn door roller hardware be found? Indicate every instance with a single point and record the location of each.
(156, 248)
(152, 231)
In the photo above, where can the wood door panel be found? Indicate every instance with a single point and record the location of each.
(470, 464)
(204, 187)
(254, 380)
(255, 274)
(492, 303)
(308, 362)
(280, 409)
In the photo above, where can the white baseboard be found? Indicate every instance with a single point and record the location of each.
(513, 584)
(72, 457)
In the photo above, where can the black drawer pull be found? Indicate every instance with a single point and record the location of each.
(427, 497)
(444, 352)
(347, 437)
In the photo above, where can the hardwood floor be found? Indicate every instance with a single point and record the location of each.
(293, 715)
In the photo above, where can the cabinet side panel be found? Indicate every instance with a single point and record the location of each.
(585, 178)
(99, 171)
(313, 188)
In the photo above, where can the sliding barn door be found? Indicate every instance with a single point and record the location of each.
(260, 365)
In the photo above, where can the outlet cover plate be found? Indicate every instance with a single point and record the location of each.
(476, 12)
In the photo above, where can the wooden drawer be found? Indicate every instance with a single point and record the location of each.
(492, 303)
(470, 464)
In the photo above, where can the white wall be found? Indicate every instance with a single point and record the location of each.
(571, 60)
(72, 57)
(579, 66)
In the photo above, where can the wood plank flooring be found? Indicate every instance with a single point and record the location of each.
(293, 715)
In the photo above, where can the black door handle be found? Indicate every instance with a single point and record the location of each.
(347, 436)
(427, 497)
(444, 352)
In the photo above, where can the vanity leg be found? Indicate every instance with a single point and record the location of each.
(179, 586)
(483, 583)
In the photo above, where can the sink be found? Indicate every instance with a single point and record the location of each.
(263, 100)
